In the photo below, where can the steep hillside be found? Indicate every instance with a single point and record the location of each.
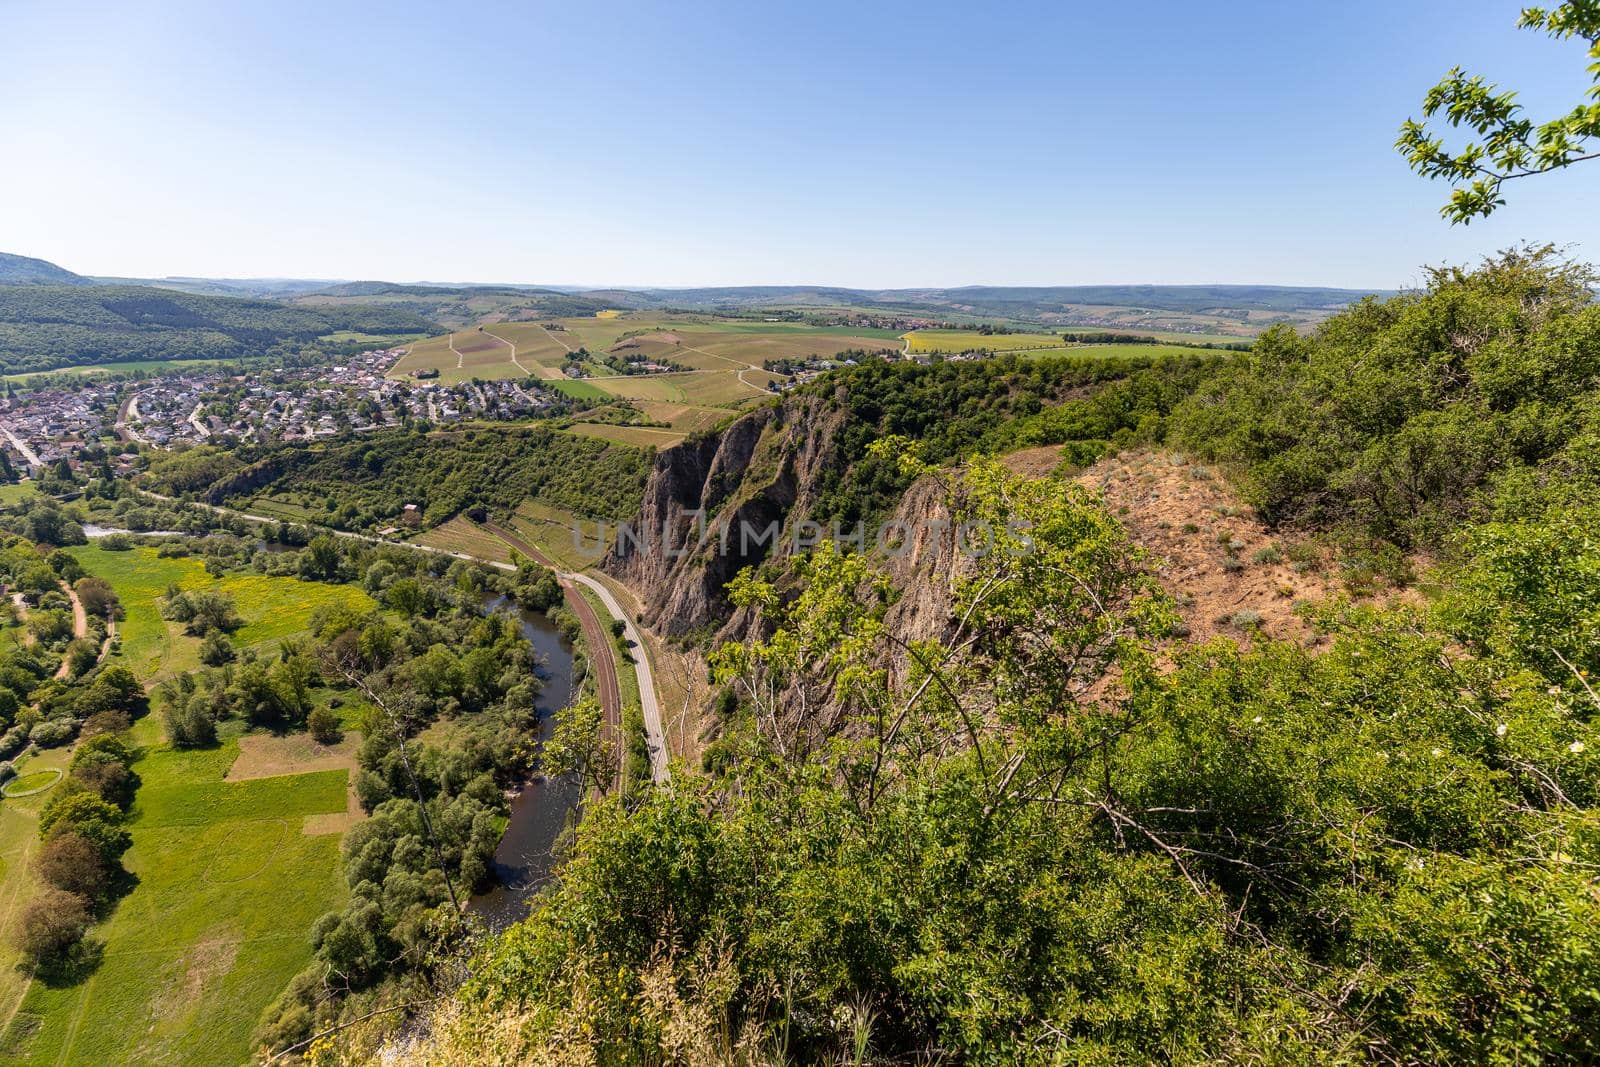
(809, 458)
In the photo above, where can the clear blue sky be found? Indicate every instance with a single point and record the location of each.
(865, 144)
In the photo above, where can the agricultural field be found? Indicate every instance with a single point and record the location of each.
(638, 436)
(153, 648)
(970, 340)
(721, 359)
(550, 530)
(461, 534)
(229, 883)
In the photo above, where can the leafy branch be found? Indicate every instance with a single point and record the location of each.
(1510, 145)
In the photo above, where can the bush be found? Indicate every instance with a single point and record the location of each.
(71, 862)
(189, 724)
(216, 649)
(325, 726)
(53, 732)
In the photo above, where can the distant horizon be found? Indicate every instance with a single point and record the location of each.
(659, 288)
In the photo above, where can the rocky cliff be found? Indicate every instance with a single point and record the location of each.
(742, 497)
(711, 505)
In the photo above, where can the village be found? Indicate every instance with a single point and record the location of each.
(226, 406)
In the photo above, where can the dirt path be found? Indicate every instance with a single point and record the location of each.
(742, 364)
(556, 339)
(80, 627)
(460, 355)
(504, 341)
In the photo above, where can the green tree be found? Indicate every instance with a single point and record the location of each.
(1512, 146)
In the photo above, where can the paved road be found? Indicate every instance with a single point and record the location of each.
(647, 682)
(20, 445)
(594, 633)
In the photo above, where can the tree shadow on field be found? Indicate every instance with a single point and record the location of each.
(73, 966)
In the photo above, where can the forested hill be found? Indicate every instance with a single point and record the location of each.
(1041, 827)
(25, 270)
(48, 326)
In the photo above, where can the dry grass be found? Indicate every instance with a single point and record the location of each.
(1229, 574)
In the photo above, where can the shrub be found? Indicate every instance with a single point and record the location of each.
(52, 733)
(71, 862)
(325, 726)
(1269, 554)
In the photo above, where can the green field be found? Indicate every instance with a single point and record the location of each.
(375, 339)
(970, 340)
(229, 883)
(229, 878)
(150, 365)
(153, 648)
(19, 836)
(12, 492)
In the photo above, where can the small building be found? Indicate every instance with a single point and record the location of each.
(411, 515)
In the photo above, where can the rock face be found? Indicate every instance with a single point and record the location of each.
(715, 505)
(738, 498)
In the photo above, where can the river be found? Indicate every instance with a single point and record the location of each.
(526, 856)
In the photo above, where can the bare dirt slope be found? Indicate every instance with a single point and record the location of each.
(1229, 574)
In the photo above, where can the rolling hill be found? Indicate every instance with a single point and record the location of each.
(25, 270)
(45, 327)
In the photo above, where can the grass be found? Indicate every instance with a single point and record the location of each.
(228, 886)
(461, 534)
(153, 648)
(23, 378)
(24, 784)
(19, 837)
(550, 530)
(385, 340)
(14, 492)
(967, 340)
(638, 436)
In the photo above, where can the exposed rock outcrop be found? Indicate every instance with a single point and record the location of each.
(719, 503)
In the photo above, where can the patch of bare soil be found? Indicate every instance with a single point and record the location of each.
(203, 966)
(271, 755)
(1229, 574)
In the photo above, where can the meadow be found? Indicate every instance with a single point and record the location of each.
(153, 648)
(229, 883)
(970, 340)
(230, 875)
(151, 366)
